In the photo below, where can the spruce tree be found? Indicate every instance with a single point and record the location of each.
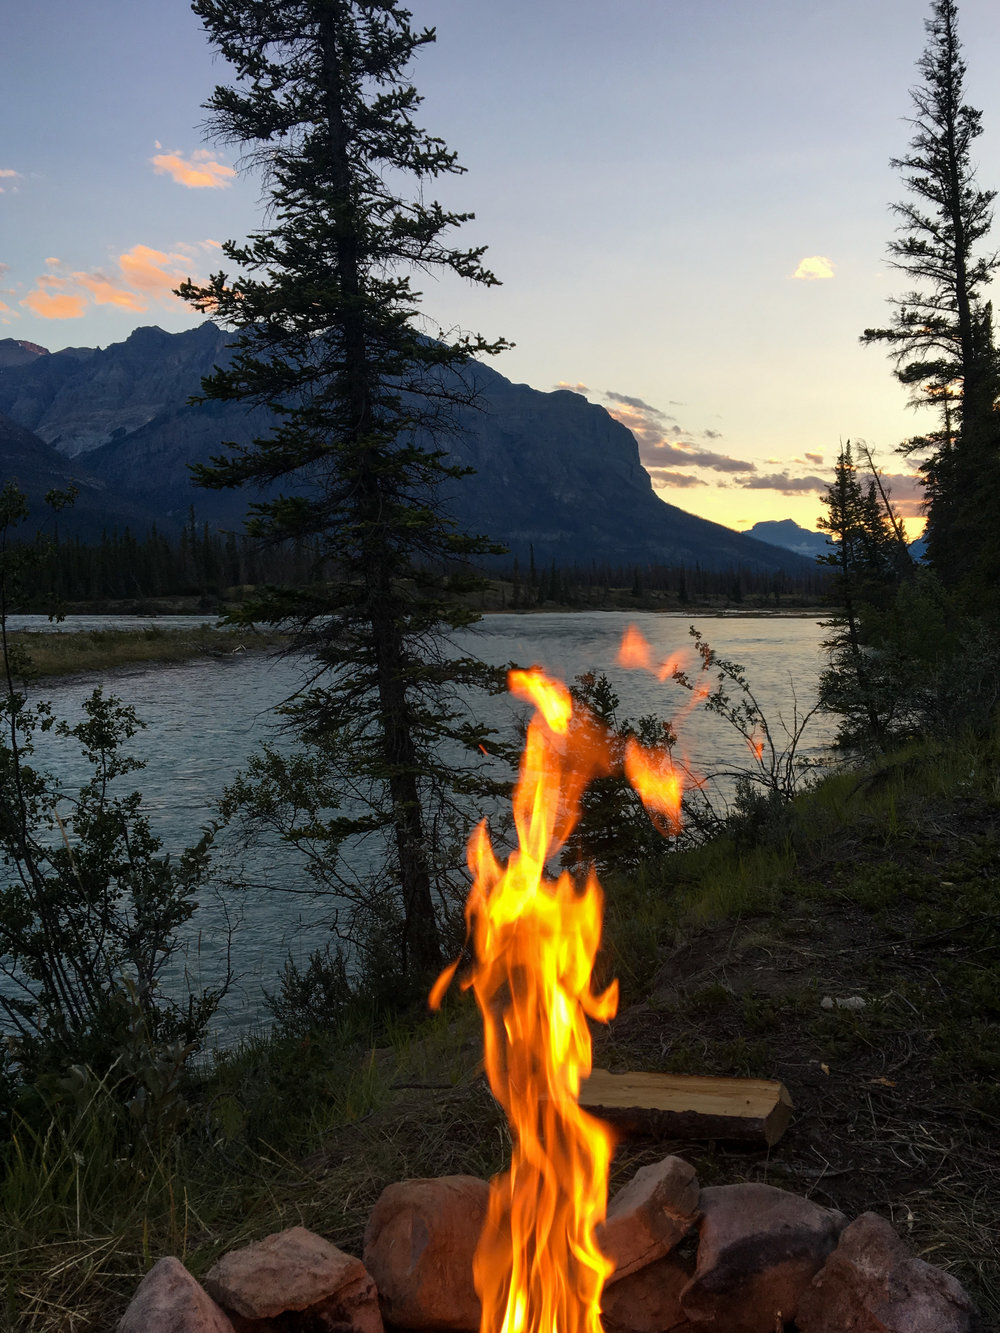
(941, 334)
(329, 341)
(869, 560)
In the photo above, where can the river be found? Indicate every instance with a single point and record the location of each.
(205, 717)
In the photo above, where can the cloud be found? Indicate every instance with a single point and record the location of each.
(635, 403)
(7, 174)
(142, 275)
(664, 480)
(815, 458)
(663, 442)
(199, 172)
(107, 291)
(814, 267)
(154, 271)
(785, 484)
(573, 388)
(58, 305)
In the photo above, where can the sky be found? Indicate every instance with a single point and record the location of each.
(687, 203)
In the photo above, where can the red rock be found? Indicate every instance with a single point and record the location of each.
(759, 1248)
(872, 1284)
(169, 1300)
(296, 1270)
(419, 1244)
(648, 1301)
(649, 1215)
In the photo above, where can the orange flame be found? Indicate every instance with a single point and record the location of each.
(534, 939)
(658, 782)
(538, 1267)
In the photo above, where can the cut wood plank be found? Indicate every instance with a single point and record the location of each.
(689, 1106)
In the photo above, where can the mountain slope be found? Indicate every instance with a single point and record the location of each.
(554, 474)
(38, 468)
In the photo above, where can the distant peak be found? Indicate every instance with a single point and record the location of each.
(19, 352)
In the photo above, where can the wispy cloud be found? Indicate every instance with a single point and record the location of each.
(814, 268)
(109, 291)
(7, 174)
(198, 172)
(636, 405)
(50, 300)
(814, 458)
(663, 480)
(785, 483)
(578, 387)
(135, 279)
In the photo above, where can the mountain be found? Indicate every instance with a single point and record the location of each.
(555, 475)
(788, 534)
(38, 468)
(15, 352)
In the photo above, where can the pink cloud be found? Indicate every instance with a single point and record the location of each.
(199, 172)
(106, 291)
(144, 275)
(154, 271)
(58, 305)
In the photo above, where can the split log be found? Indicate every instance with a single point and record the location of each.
(689, 1106)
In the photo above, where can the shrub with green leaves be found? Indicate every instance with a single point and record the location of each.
(90, 905)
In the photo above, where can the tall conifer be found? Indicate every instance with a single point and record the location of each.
(328, 340)
(941, 334)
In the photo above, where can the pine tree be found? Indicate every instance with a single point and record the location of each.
(941, 335)
(869, 557)
(328, 340)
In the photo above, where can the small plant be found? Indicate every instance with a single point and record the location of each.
(773, 770)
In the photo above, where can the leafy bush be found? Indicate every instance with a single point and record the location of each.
(90, 906)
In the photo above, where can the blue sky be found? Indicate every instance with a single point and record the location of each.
(649, 176)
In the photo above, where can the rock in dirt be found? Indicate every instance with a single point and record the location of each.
(648, 1301)
(872, 1284)
(759, 1248)
(169, 1300)
(295, 1270)
(419, 1244)
(647, 1218)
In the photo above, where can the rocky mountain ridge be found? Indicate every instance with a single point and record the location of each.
(555, 476)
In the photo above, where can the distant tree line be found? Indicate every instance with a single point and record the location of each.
(200, 562)
(569, 585)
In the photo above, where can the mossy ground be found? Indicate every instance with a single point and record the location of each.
(882, 885)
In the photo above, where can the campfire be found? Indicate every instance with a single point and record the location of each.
(540, 1250)
(534, 940)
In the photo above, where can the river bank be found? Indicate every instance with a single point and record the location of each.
(65, 651)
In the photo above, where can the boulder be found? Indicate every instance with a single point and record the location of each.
(295, 1270)
(759, 1248)
(419, 1244)
(647, 1301)
(872, 1284)
(649, 1215)
(169, 1300)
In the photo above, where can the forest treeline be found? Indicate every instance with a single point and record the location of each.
(223, 566)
